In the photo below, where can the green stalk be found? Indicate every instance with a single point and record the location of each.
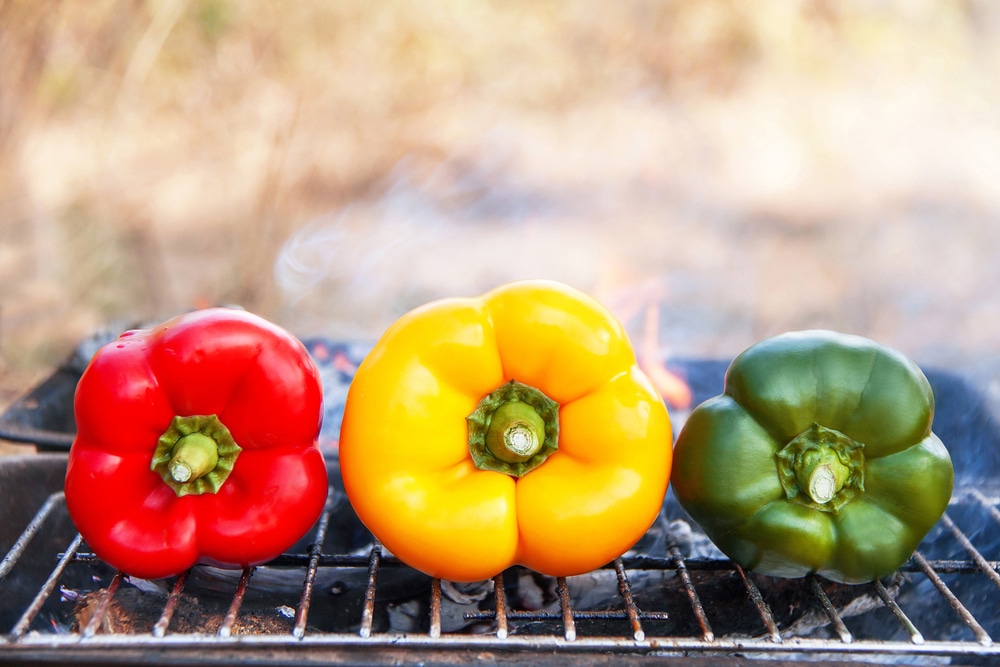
(822, 468)
(515, 433)
(513, 430)
(822, 477)
(195, 455)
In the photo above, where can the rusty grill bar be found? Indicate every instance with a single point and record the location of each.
(160, 629)
(636, 623)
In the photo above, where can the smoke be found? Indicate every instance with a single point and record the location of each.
(455, 228)
(629, 206)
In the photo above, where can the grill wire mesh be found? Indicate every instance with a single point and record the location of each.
(499, 626)
(329, 598)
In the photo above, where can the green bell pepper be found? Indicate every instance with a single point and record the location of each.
(818, 457)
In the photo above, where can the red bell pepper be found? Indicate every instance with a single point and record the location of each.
(197, 442)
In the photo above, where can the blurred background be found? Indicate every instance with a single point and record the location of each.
(714, 171)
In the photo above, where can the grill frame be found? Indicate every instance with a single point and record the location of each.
(21, 643)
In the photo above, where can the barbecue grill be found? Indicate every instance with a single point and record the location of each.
(339, 597)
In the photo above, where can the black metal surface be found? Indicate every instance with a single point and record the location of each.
(44, 416)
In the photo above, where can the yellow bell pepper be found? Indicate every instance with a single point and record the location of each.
(513, 428)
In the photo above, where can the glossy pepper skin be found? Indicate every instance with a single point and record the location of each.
(405, 455)
(256, 501)
(817, 458)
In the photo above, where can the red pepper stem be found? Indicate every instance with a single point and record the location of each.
(192, 457)
(195, 455)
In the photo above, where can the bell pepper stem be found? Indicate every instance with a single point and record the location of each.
(821, 468)
(194, 455)
(513, 430)
(824, 478)
(513, 434)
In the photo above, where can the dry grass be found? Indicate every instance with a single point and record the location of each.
(754, 167)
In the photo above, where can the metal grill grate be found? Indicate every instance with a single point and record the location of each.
(639, 630)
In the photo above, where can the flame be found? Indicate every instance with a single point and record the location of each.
(320, 351)
(674, 390)
(201, 302)
(343, 363)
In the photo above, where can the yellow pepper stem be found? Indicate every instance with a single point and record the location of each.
(513, 429)
(515, 433)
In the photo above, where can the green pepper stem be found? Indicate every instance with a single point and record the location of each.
(821, 468)
(192, 457)
(824, 478)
